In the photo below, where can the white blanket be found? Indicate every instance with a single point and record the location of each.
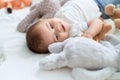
(20, 63)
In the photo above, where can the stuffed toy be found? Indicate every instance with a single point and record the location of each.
(43, 9)
(102, 74)
(83, 57)
(114, 13)
(75, 53)
(14, 4)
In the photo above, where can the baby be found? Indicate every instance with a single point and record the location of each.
(74, 18)
(87, 9)
(66, 23)
(47, 31)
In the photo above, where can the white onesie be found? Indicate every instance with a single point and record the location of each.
(75, 12)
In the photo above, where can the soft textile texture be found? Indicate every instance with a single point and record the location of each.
(75, 52)
(22, 64)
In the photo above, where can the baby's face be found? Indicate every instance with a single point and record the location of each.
(53, 30)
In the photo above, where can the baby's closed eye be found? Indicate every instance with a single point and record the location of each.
(56, 37)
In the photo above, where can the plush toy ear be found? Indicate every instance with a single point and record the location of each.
(56, 47)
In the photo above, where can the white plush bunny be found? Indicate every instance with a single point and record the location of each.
(81, 54)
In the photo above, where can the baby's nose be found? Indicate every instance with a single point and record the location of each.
(59, 28)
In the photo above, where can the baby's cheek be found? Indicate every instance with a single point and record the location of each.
(63, 36)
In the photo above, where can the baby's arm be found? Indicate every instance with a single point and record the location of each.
(94, 27)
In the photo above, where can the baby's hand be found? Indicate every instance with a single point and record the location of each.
(87, 36)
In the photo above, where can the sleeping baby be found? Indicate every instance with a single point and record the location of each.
(70, 20)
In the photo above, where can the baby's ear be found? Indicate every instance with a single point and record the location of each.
(56, 47)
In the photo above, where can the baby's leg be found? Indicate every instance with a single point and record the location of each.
(44, 9)
(53, 61)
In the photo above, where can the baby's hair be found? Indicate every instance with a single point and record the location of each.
(34, 39)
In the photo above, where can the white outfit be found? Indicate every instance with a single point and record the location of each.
(74, 12)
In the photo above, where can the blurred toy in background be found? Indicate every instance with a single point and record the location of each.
(14, 4)
(114, 13)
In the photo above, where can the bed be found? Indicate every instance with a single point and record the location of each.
(19, 62)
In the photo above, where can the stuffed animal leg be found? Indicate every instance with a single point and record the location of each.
(83, 74)
(62, 2)
(53, 61)
(45, 9)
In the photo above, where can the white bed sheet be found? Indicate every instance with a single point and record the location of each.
(20, 63)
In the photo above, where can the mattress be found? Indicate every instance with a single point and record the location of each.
(19, 63)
